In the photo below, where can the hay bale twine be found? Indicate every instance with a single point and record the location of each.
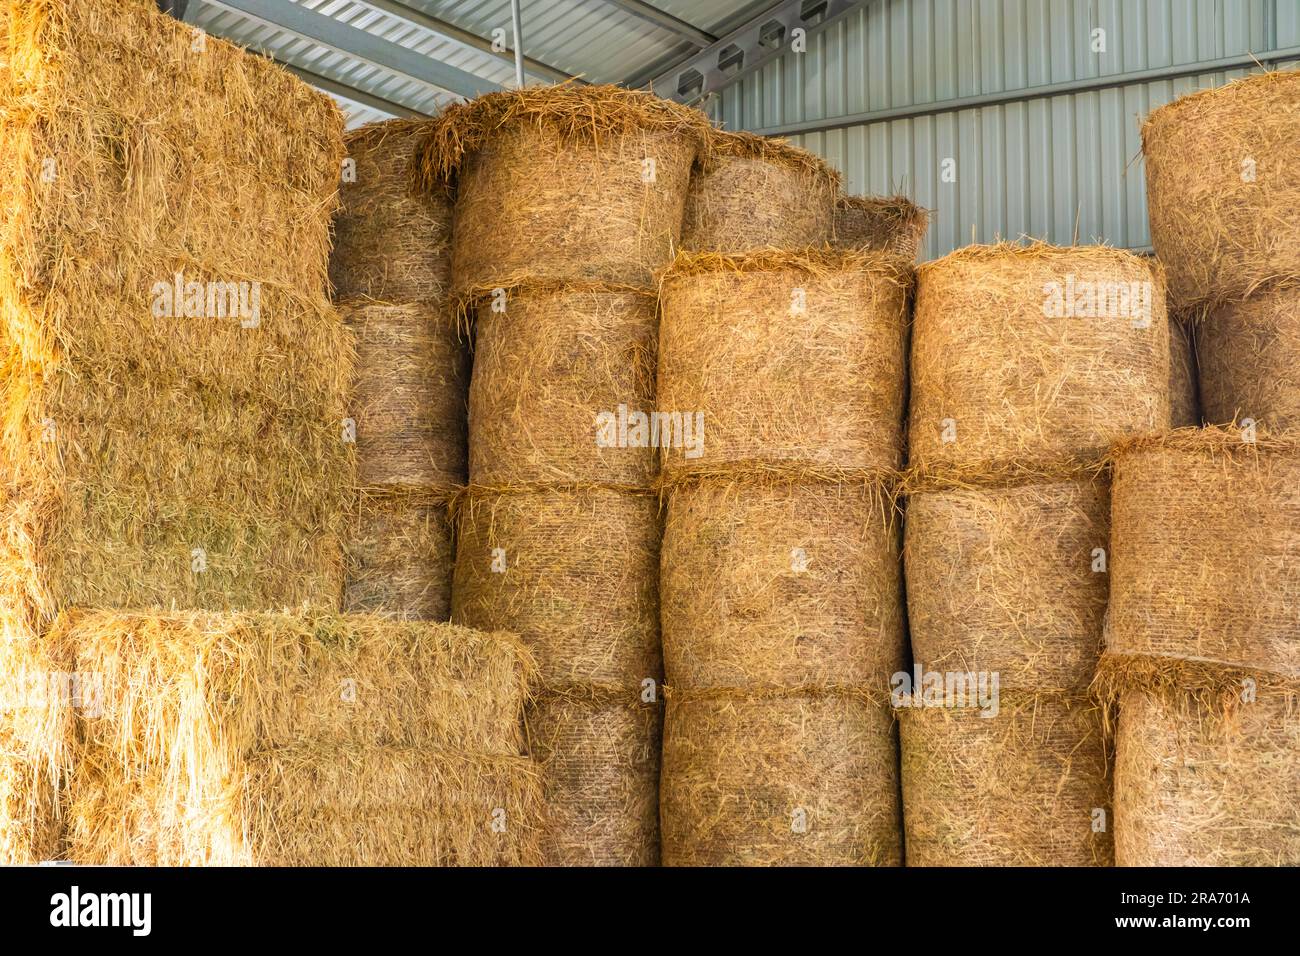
(408, 394)
(1248, 353)
(574, 572)
(795, 361)
(1205, 530)
(1009, 580)
(563, 182)
(752, 192)
(1221, 191)
(1035, 357)
(391, 242)
(399, 556)
(780, 583)
(1207, 783)
(1022, 788)
(598, 752)
(1184, 394)
(880, 223)
(561, 374)
(779, 780)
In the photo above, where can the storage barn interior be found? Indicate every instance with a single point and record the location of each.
(639, 432)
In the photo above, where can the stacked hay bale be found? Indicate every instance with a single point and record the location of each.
(1224, 215)
(1201, 656)
(887, 223)
(752, 193)
(174, 377)
(781, 596)
(1027, 361)
(567, 201)
(391, 269)
(298, 740)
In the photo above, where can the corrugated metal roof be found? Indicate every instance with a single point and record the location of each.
(929, 86)
(597, 40)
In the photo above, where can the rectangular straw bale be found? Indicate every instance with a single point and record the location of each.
(246, 681)
(97, 516)
(136, 143)
(312, 805)
(307, 739)
(38, 688)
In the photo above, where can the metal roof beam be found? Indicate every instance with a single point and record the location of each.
(1022, 94)
(449, 31)
(662, 18)
(350, 93)
(348, 40)
(747, 48)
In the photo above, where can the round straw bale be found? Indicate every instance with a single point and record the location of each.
(1021, 788)
(1221, 188)
(391, 242)
(563, 182)
(780, 584)
(599, 758)
(779, 780)
(791, 361)
(1184, 396)
(752, 193)
(1207, 784)
(400, 556)
(558, 377)
(1035, 357)
(1205, 562)
(574, 572)
(1009, 580)
(1249, 352)
(880, 223)
(408, 395)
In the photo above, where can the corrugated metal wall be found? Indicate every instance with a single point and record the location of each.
(1054, 167)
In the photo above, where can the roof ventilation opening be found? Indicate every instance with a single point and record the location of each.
(731, 59)
(813, 11)
(690, 83)
(771, 35)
